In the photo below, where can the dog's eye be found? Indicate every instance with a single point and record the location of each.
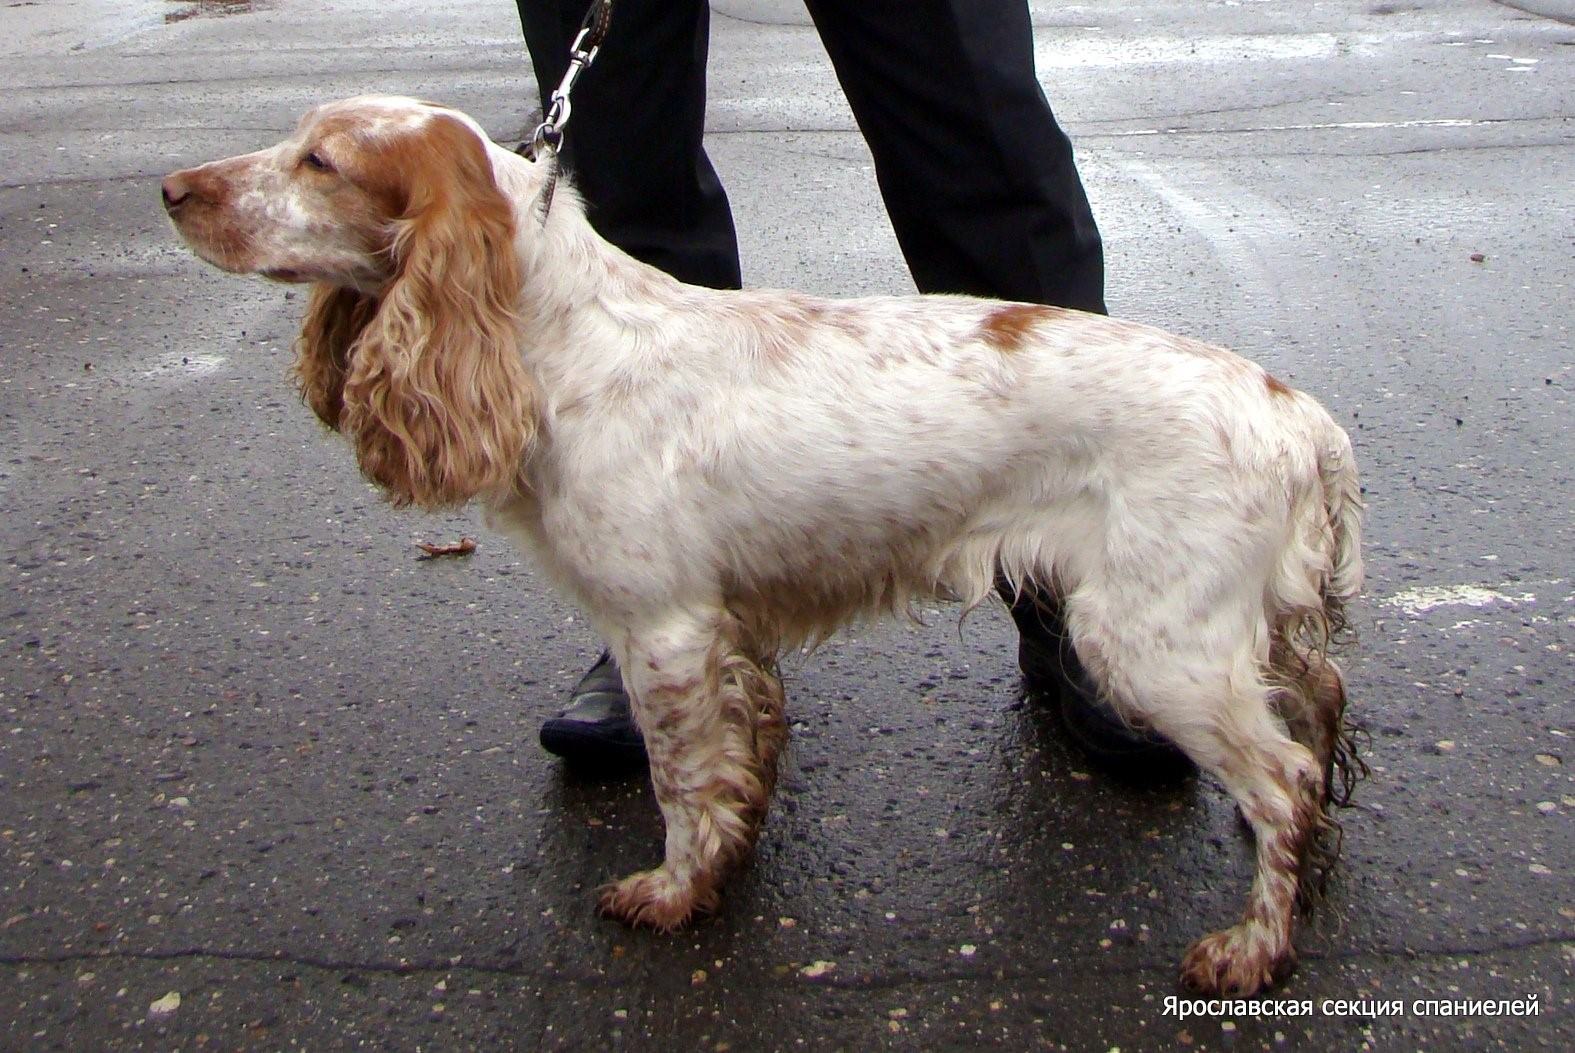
(316, 160)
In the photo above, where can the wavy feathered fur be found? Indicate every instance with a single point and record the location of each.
(420, 368)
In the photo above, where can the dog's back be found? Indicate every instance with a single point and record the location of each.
(845, 456)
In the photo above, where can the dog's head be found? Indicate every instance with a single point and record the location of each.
(391, 208)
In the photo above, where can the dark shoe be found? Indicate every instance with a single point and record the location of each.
(1052, 673)
(597, 731)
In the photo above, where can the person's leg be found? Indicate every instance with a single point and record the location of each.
(978, 178)
(985, 198)
(634, 147)
(634, 143)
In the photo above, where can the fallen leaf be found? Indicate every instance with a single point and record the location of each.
(463, 547)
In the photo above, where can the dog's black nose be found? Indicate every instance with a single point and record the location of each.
(175, 190)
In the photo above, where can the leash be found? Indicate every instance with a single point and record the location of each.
(547, 139)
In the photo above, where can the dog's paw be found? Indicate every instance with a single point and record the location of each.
(654, 899)
(1239, 961)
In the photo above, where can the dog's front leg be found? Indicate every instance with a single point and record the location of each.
(712, 720)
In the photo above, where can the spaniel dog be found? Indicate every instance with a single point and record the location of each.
(718, 476)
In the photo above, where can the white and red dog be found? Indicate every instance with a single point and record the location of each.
(718, 476)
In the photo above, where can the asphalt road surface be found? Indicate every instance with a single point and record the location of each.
(255, 754)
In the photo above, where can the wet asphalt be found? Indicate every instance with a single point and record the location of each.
(257, 754)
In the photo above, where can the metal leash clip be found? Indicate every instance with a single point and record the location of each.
(587, 45)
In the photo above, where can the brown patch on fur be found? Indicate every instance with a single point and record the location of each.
(846, 322)
(1006, 327)
(1222, 433)
(785, 330)
(1277, 386)
(782, 335)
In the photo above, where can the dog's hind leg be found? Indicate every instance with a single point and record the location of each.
(1200, 685)
(1278, 786)
(711, 714)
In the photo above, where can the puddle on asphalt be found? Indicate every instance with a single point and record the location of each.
(213, 8)
(175, 364)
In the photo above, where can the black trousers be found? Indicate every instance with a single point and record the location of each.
(977, 177)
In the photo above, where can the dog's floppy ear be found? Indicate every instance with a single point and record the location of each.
(436, 398)
(334, 318)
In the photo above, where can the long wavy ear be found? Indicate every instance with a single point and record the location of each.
(334, 318)
(437, 400)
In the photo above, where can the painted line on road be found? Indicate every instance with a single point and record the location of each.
(1360, 126)
(1424, 598)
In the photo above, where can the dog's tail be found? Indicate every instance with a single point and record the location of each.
(1320, 569)
(1343, 506)
(1342, 500)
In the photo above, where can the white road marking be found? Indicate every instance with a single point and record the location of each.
(1425, 598)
